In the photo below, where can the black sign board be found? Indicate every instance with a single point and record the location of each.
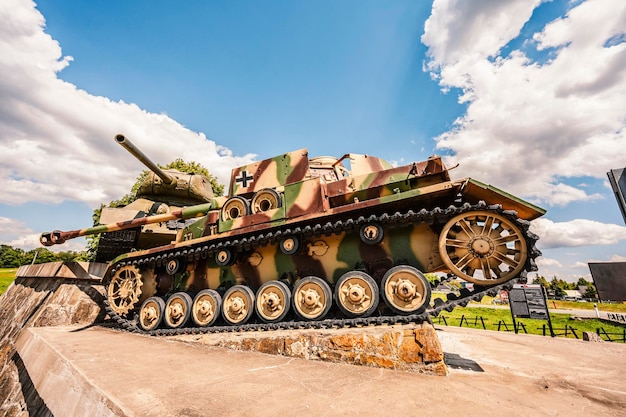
(617, 178)
(610, 280)
(528, 301)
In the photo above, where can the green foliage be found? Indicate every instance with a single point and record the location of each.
(432, 277)
(591, 292)
(11, 257)
(454, 284)
(542, 281)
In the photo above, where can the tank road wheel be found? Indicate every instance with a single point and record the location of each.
(206, 308)
(371, 233)
(312, 298)
(405, 290)
(264, 200)
(235, 207)
(273, 301)
(238, 304)
(289, 245)
(124, 289)
(177, 310)
(356, 294)
(483, 247)
(151, 313)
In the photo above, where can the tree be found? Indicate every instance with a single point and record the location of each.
(178, 164)
(559, 287)
(590, 291)
(39, 256)
(10, 257)
(541, 281)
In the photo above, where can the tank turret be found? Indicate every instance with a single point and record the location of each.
(169, 186)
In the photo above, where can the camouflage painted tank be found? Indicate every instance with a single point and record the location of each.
(322, 241)
(160, 192)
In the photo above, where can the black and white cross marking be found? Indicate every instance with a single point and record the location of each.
(244, 179)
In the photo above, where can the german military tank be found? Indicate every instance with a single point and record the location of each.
(321, 242)
(160, 192)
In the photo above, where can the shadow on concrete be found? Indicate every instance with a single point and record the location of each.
(98, 299)
(35, 405)
(455, 361)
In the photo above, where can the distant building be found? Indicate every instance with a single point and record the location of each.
(573, 295)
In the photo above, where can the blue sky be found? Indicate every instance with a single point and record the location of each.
(315, 73)
(526, 95)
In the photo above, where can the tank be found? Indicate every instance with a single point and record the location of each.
(160, 192)
(322, 242)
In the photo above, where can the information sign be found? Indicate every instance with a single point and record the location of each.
(528, 301)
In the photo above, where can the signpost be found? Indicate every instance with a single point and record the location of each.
(528, 301)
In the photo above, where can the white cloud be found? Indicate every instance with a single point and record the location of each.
(18, 235)
(56, 140)
(578, 232)
(530, 126)
(612, 258)
(543, 262)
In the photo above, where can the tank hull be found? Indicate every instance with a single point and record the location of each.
(317, 233)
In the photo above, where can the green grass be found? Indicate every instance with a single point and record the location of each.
(492, 317)
(7, 276)
(573, 305)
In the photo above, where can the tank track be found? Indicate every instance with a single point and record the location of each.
(394, 220)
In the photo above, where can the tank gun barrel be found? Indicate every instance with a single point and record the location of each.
(130, 147)
(57, 237)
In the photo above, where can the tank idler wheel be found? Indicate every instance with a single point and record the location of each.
(371, 233)
(483, 247)
(238, 304)
(405, 290)
(224, 257)
(206, 308)
(273, 301)
(151, 313)
(124, 289)
(289, 245)
(312, 298)
(265, 200)
(234, 208)
(177, 310)
(356, 294)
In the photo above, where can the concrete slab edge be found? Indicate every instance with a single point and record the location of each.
(63, 388)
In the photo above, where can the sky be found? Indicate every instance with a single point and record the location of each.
(527, 95)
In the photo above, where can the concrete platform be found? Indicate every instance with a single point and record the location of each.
(97, 371)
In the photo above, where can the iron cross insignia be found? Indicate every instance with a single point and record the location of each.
(244, 179)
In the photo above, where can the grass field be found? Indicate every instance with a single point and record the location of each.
(568, 305)
(494, 319)
(7, 276)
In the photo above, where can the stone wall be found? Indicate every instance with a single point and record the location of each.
(54, 294)
(415, 348)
